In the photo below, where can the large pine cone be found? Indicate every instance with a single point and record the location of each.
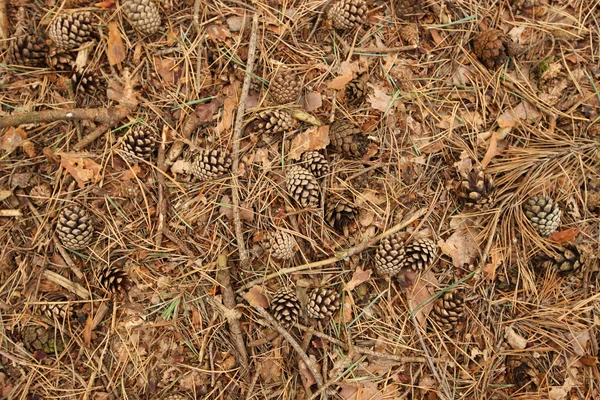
(347, 14)
(340, 212)
(356, 90)
(490, 48)
(273, 122)
(209, 164)
(29, 50)
(69, 31)
(143, 15)
(393, 255)
(282, 245)
(114, 279)
(302, 186)
(285, 87)
(408, 7)
(37, 338)
(138, 143)
(347, 138)
(316, 163)
(57, 308)
(322, 303)
(448, 310)
(568, 260)
(74, 228)
(285, 307)
(543, 213)
(61, 61)
(477, 188)
(524, 372)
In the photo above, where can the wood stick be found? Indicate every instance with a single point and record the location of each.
(104, 116)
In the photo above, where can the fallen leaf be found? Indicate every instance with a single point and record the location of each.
(314, 138)
(306, 117)
(345, 75)
(435, 35)
(312, 101)
(523, 111)
(421, 293)
(358, 277)
(516, 341)
(566, 236)
(124, 94)
(105, 4)
(168, 70)
(87, 331)
(589, 361)
(461, 245)
(465, 164)
(116, 49)
(181, 167)
(348, 391)
(217, 33)
(495, 148)
(229, 105)
(5, 194)
(256, 297)
(235, 23)
(131, 173)
(379, 99)
(579, 341)
(12, 139)
(307, 377)
(82, 169)
(206, 111)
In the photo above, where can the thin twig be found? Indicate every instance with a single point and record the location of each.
(104, 116)
(229, 302)
(237, 135)
(340, 255)
(90, 137)
(162, 201)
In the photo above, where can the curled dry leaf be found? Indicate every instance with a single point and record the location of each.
(307, 377)
(524, 111)
(315, 138)
(358, 277)
(131, 172)
(461, 245)
(516, 341)
(256, 297)
(81, 168)
(217, 33)
(346, 73)
(116, 49)
(229, 105)
(125, 94)
(312, 101)
(168, 70)
(181, 167)
(206, 111)
(379, 99)
(419, 293)
(566, 236)
(12, 138)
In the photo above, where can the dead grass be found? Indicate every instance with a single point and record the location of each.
(531, 125)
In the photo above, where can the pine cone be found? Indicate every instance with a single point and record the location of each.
(340, 212)
(273, 122)
(477, 188)
(315, 163)
(592, 191)
(408, 7)
(37, 338)
(61, 61)
(29, 50)
(69, 31)
(40, 194)
(347, 138)
(322, 303)
(176, 396)
(356, 90)
(85, 82)
(568, 260)
(74, 228)
(543, 213)
(143, 15)
(285, 87)
(57, 308)
(348, 14)
(302, 186)
(522, 371)
(285, 307)
(138, 143)
(409, 34)
(393, 255)
(282, 245)
(489, 46)
(448, 310)
(209, 164)
(509, 280)
(114, 279)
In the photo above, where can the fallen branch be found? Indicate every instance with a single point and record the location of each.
(104, 116)
(237, 135)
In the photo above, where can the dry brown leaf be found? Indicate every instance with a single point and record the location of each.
(105, 4)
(420, 293)
(523, 111)
(495, 148)
(348, 391)
(218, 33)
(497, 259)
(206, 111)
(589, 361)
(580, 341)
(87, 331)
(235, 23)
(379, 99)
(256, 297)
(168, 70)
(307, 377)
(229, 105)
(358, 277)
(345, 75)
(181, 167)
(516, 341)
(131, 173)
(82, 169)
(115, 50)
(124, 94)
(12, 139)
(437, 38)
(5, 194)
(465, 164)
(461, 245)
(566, 236)
(314, 138)
(312, 101)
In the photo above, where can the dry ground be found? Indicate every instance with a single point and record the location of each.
(429, 112)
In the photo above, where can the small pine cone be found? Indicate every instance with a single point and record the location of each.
(568, 260)
(593, 194)
(57, 308)
(543, 213)
(393, 255)
(409, 34)
(37, 338)
(61, 61)
(302, 186)
(529, 8)
(143, 15)
(408, 7)
(316, 163)
(348, 139)
(273, 122)
(285, 87)
(176, 396)
(85, 82)
(114, 279)
(74, 228)
(69, 31)
(40, 194)
(356, 90)
(340, 212)
(489, 46)
(522, 371)
(282, 245)
(448, 310)
(322, 303)
(209, 164)
(138, 142)
(509, 280)
(285, 307)
(29, 50)
(348, 14)
(477, 188)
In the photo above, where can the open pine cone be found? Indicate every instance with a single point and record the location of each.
(29, 50)
(302, 186)
(524, 372)
(285, 87)
(285, 307)
(57, 308)
(490, 48)
(74, 227)
(38, 338)
(543, 213)
(477, 188)
(568, 260)
(143, 15)
(138, 143)
(448, 310)
(69, 31)
(408, 7)
(348, 14)
(316, 163)
(210, 164)
(393, 255)
(340, 212)
(356, 90)
(273, 122)
(322, 303)
(114, 279)
(347, 138)
(282, 245)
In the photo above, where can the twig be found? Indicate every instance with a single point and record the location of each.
(104, 116)
(237, 135)
(182, 246)
(67, 284)
(347, 48)
(229, 302)
(191, 123)
(90, 137)
(340, 255)
(162, 202)
(286, 335)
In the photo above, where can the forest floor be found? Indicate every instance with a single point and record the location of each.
(500, 312)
